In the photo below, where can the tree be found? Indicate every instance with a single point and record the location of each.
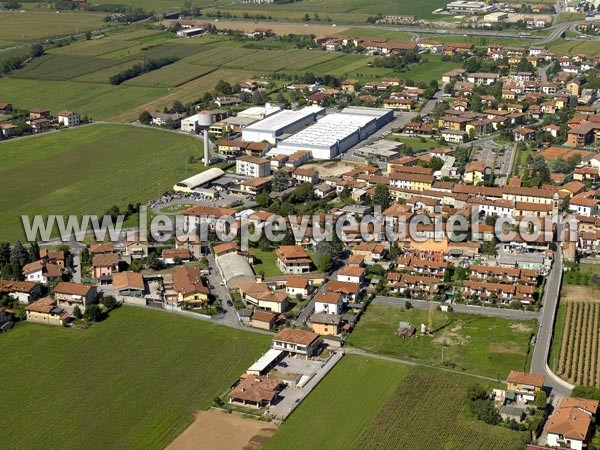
(88, 35)
(109, 301)
(263, 199)
(381, 196)
(436, 163)
(223, 87)
(145, 118)
(326, 263)
(37, 50)
(77, 313)
(19, 255)
(541, 399)
(281, 181)
(93, 313)
(12, 4)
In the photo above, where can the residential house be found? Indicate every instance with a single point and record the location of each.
(105, 265)
(572, 423)
(172, 256)
(41, 272)
(525, 385)
(255, 392)
(190, 288)
(293, 259)
(264, 320)
(136, 248)
(302, 175)
(68, 118)
(297, 341)
(328, 303)
(129, 284)
(326, 324)
(351, 274)
(251, 166)
(69, 295)
(6, 109)
(22, 291)
(46, 311)
(298, 286)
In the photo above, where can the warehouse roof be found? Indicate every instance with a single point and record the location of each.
(202, 178)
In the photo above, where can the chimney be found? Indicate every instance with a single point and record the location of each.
(206, 149)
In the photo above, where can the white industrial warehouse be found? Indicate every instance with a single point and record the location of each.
(190, 184)
(283, 122)
(335, 134)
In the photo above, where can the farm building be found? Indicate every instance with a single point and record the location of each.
(283, 122)
(199, 180)
(336, 133)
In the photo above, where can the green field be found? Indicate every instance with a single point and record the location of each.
(132, 381)
(366, 403)
(98, 101)
(268, 264)
(582, 275)
(476, 344)
(89, 169)
(574, 46)
(32, 25)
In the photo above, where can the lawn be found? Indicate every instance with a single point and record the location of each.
(88, 169)
(133, 381)
(366, 403)
(432, 69)
(268, 264)
(33, 25)
(476, 344)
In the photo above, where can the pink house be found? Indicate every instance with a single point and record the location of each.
(105, 265)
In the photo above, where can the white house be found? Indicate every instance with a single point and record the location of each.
(68, 118)
(328, 303)
(251, 166)
(351, 274)
(583, 206)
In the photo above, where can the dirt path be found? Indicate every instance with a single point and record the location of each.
(215, 429)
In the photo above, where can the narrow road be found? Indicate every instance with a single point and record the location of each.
(541, 351)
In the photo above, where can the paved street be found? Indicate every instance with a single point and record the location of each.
(539, 362)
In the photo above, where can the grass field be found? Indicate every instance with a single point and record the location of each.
(88, 169)
(32, 25)
(582, 274)
(368, 403)
(133, 381)
(340, 11)
(574, 46)
(462, 341)
(99, 101)
(268, 264)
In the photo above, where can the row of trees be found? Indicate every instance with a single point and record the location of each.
(139, 69)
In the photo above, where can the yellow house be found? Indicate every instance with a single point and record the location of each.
(475, 172)
(189, 286)
(45, 311)
(326, 324)
(525, 385)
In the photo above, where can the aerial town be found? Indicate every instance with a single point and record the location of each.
(279, 225)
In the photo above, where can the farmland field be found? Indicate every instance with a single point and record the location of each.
(132, 381)
(32, 25)
(578, 360)
(574, 46)
(88, 169)
(462, 341)
(99, 101)
(367, 403)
